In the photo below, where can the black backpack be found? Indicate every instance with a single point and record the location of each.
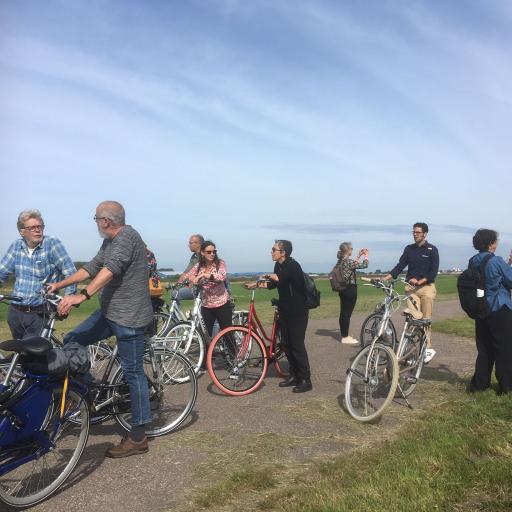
(472, 291)
(311, 292)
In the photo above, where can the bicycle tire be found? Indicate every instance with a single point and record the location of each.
(371, 382)
(192, 343)
(39, 478)
(160, 324)
(237, 364)
(173, 392)
(370, 328)
(410, 360)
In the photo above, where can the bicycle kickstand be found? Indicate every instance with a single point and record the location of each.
(405, 398)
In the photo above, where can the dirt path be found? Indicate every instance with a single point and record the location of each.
(269, 426)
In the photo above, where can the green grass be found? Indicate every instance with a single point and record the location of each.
(368, 297)
(457, 457)
(460, 326)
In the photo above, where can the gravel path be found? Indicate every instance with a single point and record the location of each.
(271, 425)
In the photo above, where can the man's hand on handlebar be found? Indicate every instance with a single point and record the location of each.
(51, 288)
(68, 302)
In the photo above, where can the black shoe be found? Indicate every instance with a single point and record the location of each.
(290, 381)
(303, 386)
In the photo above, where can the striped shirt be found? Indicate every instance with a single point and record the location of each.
(48, 263)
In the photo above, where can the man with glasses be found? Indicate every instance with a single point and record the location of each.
(35, 259)
(422, 261)
(120, 271)
(194, 244)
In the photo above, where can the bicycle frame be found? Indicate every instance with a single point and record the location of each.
(256, 327)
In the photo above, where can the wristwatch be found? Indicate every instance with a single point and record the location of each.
(84, 292)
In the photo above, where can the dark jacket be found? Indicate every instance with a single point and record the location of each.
(420, 262)
(291, 289)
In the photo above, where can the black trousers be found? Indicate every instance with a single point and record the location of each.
(348, 299)
(494, 345)
(223, 315)
(293, 334)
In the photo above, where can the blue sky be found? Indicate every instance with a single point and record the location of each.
(314, 121)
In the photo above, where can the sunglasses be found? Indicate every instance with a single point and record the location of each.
(276, 250)
(211, 252)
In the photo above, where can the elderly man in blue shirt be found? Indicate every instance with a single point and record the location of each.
(35, 259)
(422, 261)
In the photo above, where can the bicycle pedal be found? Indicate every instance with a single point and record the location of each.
(412, 380)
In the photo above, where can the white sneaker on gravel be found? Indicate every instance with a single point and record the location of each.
(429, 355)
(348, 340)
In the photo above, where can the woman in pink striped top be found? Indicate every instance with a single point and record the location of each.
(210, 274)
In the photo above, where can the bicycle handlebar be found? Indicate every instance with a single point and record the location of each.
(12, 298)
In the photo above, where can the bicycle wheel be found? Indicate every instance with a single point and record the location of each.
(65, 441)
(159, 325)
(172, 392)
(410, 361)
(370, 328)
(371, 382)
(190, 341)
(237, 362)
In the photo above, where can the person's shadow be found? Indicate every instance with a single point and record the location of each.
(330, 333)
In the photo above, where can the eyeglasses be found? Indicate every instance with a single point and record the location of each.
(276, 250)
(96, 219)
(39, 227)
(210, 252)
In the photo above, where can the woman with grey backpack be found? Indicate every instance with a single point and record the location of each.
(343, 280)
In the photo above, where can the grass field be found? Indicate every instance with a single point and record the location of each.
(455, 457)
(368, 297)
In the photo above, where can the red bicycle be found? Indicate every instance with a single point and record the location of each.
(238, 357)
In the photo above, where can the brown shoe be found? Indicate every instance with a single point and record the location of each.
(127, 447)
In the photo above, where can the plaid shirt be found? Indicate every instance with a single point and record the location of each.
(49, 260)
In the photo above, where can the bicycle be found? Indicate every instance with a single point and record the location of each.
(238, 358)
(377, 371)
(44, 425)
(191, 336)
(371, 323)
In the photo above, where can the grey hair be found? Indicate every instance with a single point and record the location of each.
(113, 211)
(199, 237)
(344, 249)
(28, 214)
(285, 246)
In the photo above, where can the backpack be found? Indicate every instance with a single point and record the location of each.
(337, 279)
(472, 291)
(311, 293)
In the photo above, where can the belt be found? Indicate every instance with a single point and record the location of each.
(29, 309)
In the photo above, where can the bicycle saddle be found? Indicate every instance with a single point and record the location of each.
(35, 346)
(424, 322)
(274, 302)
(417, 315)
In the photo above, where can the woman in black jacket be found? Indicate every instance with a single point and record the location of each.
(288, 278)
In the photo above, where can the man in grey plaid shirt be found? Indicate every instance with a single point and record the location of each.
(35, 259)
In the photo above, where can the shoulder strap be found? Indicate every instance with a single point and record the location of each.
(484, 262)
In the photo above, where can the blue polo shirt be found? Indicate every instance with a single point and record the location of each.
(421, 261)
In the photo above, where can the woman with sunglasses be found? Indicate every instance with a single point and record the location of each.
(210, 273)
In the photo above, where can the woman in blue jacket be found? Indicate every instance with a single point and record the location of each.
(494, 333)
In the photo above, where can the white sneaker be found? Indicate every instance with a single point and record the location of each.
(429, 355)
(348, 340)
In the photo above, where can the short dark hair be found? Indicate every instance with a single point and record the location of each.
(422, 225)
(286, 246)
(483, 238)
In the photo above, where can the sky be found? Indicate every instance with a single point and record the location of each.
(248, 121)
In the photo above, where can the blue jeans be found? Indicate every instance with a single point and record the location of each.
(24, 325)
(130, 343)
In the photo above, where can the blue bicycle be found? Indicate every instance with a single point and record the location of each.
(44, 424)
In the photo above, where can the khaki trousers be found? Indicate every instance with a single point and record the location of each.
(422, 299)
